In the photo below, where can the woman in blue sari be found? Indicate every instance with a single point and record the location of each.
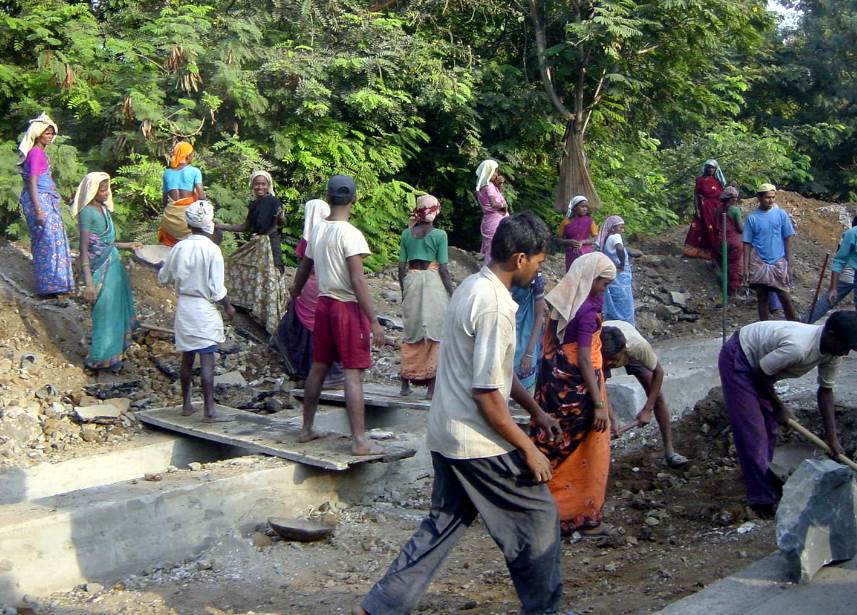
(529, 325)
(41, 204)
(619, 297)
(108, 288)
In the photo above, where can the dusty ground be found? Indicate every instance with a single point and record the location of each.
(697, 529)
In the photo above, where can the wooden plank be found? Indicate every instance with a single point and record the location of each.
(270, 436)
(375, 395)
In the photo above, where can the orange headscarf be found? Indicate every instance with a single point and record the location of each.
(181, 151)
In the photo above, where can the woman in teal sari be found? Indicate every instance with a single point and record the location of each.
(108, 288)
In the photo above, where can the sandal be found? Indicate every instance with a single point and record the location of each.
(675, 460)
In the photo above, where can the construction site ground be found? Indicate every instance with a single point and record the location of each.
(679, 530)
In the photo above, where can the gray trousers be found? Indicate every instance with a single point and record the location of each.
(519, 514)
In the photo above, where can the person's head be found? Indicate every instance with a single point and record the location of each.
(341, 191)
(485, 173)
(498, 179)
(200, 217)
(103, 192)
(599, 285)
(709, 170)
(613, 347)
(766, 193)
(729, 196)
(519, 245)
(182, 154)
(261, 184)
(578, 206)
(47, 137)
(839, 336)
(426, 210)
(93, 189)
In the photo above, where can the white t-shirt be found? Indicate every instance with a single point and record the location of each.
(477, 351)
(638, 350)
(784, 349)
(610, 247)
(331, 243)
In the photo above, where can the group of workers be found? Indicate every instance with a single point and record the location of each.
(529, 487)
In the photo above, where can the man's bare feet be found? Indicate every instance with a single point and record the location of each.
(311, 434)
(217, 418)
(188, 409)
(365, 446)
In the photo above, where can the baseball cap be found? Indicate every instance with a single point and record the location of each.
(342, 189)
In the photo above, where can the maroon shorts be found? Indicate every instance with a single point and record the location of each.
(341, 333)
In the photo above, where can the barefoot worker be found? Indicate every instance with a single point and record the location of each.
(195, 266)
(483, 462)
(345, 315)
(623, 346)
(756, 357)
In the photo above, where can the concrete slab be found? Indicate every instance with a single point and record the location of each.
(148, 453)
(374, 395)
(269, 435)
(763, 589)
(105, 533)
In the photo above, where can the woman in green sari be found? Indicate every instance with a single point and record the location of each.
(108, 288)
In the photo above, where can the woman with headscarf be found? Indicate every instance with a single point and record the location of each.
(701, 241)
(40, 201)
(182, 185)
(426, 287)
(294, 333)
(578, 231)
(619, 298)
(489, 184)
(254, 272)
(108, 288)
(571, 388)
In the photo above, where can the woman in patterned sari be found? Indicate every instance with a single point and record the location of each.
(571, 388)
(41, 204)
(107, 286)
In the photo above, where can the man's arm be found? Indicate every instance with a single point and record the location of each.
(787, 242)
(828, 417)
(446, 278)
(765, 385)
(403, 271)
(494, 408)
(541, 418)
(748, 248)
(361, 290)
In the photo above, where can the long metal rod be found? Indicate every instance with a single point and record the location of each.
(725, 280)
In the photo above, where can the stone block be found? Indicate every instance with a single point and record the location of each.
(817, 518)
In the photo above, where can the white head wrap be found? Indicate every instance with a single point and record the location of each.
(315, 211)
(574, 203)
(37, 126)
(567, 296)
(484, 172)
(87, 189)
(267, 176)
(200, 214)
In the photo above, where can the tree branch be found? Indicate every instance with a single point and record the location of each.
(544, 70)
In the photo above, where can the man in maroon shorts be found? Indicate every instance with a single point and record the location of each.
(345, 316)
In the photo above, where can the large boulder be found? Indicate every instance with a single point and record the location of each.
(817, 517)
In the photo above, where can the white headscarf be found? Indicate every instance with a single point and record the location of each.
(267, 176)
(200, 214)
(484, 172)
(315, 211)
(37, 126)
(574, 203)
(87, 189)
(567, 296)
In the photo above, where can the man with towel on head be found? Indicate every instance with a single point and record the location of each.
(195, 266)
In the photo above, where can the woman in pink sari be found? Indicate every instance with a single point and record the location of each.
(493, 203)
(577, 232)
(702, 238)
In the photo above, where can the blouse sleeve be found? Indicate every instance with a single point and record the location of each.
(593, 230)
(403, 248)
(197, 177)
(87, 219)
(442, 248)
(36, 161)
(538, 287)
(587, 328)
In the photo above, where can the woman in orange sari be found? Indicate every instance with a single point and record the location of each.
(571, 388)
(182, 185)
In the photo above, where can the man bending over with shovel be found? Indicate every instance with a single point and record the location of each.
(757, 356)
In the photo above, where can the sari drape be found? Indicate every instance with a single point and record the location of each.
(701, 240)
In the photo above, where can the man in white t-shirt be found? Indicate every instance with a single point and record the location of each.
(345, 317)
(756, 357)
(484, 463)
(623, 346)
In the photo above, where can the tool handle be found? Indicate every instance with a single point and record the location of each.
(819, 443)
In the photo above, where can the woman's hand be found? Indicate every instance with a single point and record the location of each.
(526, 365)
(602, 419)
(40, 216)
(574, 244)
(90, 293)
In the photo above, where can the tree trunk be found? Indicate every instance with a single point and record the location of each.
(574, 176)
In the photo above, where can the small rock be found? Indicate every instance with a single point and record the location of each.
(652, 521)
(93, 588)
(153, 477)
(746, 527)
(261, 540)
(230, 379)
(89, 433)
(97, 413)
(678, 298)
(194, 466)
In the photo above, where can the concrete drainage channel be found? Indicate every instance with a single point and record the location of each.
(95, 518)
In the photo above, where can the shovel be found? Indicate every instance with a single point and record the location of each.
(819, 443)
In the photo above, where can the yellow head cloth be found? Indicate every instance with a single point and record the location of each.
(37, 126)
(181, 151)
(567, 296)
(87, 189)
